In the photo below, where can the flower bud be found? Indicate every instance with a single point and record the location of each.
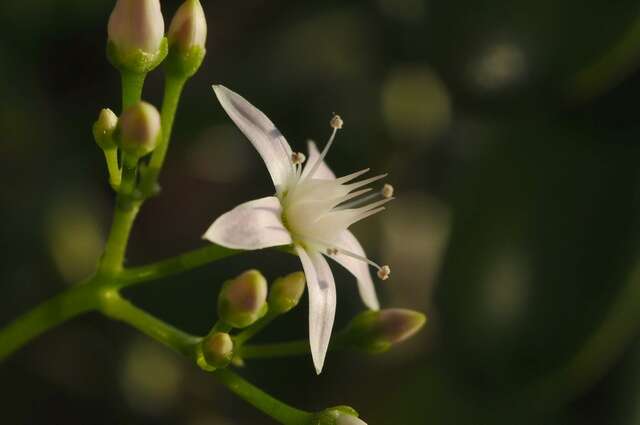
(217, 349)
(136, 35)
(286, 292)
(345, 419)
(377, 331)
(103, 129)
(138, 130)
(340, 415)
(243, 300)
(188, 27)
(187, 37)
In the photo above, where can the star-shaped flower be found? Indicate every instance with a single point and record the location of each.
(312, 211)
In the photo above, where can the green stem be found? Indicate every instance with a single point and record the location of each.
(124, 214)
(254, 329)
(262, 401)
(605, 345)
(619, 60)
(175, 265)
(132, 83)
(116, 307)
(75, 300)
(172, 91)
(278, 349)
(289, 348)
(115, 177)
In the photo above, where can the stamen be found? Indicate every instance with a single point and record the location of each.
(332, 251)
(298, 158)
(335, 123)
(387, 191)
(384, 272)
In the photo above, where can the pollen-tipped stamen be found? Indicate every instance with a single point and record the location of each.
(335, 123)
(383, 271)
(356, 203)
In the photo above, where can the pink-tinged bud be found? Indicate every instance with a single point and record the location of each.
(217, 349)
(136, 25)
(138, 130)
(286, 292)
(188, 27)
(187, 37)
(377, 331)
(243, 300)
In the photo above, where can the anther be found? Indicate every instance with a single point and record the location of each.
(332, 251)
(336, 122)
(387, 191)
(384, 272)
(298, 158)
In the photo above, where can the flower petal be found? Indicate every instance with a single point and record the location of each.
(359, 269)
(322, 303)
(323, 172)
(255, 224)
(263, 134)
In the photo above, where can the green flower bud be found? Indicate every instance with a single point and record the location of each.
(217, 349)
(340, 415)
(138, 130)
(103, 129)
(187, 37)
(136, 35)
(286, 292)
(377, 331)
(243, 300)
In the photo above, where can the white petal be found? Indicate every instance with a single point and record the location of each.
(255, 224)
(263, 134)
(359, 269)
(323, 172)
(322, 303)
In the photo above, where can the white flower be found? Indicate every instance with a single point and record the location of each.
(310, 212)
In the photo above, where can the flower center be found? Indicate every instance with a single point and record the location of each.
(318, 211)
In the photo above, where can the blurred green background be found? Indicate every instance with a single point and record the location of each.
(510, 131)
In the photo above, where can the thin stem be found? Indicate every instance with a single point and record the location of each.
(175, 265)
(115, 177)
(51, 313)
(132, 83)
(290, 348)
(254, 329)
(262, 401)
(278, 349)
(123, 217)
(118, 308)
(599, 352)
(172, 91)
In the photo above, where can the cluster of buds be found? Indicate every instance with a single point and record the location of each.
(243, 302)
(137, 41)
(136, 45)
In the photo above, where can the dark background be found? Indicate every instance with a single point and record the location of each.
(510, 131)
